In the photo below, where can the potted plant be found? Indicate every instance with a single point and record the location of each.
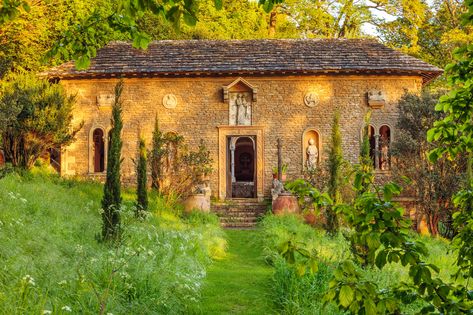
(284, 171)
(199, 168)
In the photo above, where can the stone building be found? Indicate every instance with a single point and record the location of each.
(240, 96)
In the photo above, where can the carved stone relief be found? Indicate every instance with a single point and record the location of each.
(105, 100)
(311, 99)
(376, 99)
(240, 109)
(170, 101)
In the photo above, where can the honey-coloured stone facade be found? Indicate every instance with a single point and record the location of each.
(200, 112)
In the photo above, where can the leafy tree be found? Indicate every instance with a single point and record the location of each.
(335, 162)
(25, 40)
(238, 19)
(111, 201)
(429, 30)
(433, 184)
(142, 178)
(454, 133)
(35, 116)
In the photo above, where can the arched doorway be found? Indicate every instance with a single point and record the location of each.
(99, 150)
(242, 167)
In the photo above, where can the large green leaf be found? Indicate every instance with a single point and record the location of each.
(346, 296)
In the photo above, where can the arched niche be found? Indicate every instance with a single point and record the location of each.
(240, 96)
(98, 144)
(308, 135)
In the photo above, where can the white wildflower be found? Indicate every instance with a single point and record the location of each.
(29, 280)
(47, 312)
(66, 308)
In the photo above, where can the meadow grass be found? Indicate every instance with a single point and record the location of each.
(52, 263)
(302, 295)
(240, 282)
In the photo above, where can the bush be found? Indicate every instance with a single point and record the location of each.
(35, 116)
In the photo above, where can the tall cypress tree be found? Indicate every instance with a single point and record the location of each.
(157, 153)
(142, 179)
(335, 161)
(365, 161)
(112, 199)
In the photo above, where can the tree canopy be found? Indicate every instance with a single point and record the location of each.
(35, 34)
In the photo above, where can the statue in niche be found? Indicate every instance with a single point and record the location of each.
(240, 111)
(312, 155)
(384, 159)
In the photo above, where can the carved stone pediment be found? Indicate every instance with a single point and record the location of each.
(239, 85)
(376, 99)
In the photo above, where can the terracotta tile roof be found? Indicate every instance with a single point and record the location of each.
(250, 57)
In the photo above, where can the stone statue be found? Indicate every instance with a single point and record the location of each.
(384, 155)
(243, 110)
(312, 155)
(278, 188)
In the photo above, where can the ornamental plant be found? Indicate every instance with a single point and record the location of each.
(111, 201)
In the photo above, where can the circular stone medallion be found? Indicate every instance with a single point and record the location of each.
(311, 99)
(170, 101)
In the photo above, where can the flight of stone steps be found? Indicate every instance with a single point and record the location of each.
(239, 213)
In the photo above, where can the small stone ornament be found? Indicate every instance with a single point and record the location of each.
(170, 101)
(105, 100)
(311, 99)
(376, 99)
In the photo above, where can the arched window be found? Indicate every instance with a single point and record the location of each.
(384, 147)
(380, 142)
(98, 151)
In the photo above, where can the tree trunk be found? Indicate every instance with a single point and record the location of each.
(272, 23)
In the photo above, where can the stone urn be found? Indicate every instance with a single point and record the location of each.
(285, 203)
(199, 202)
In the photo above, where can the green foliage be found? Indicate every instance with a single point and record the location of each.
(283, 169)
(198, 164)
(142, 178)
(10, 9)
(335, 162)
(51, 262)
(454, 133)
(433, 183)
(365, 176)
(309, 197)
(430, 31)
(297, 256)
(111, 201)
(35, 116)
(381, 237)
(157, 153)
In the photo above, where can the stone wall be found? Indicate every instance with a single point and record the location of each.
(200, 109)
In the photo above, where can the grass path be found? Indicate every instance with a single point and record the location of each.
(239, 284)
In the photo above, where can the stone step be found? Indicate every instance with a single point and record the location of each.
(238, 225)
(239, 213)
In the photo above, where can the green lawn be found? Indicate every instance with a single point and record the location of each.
(239, 283)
